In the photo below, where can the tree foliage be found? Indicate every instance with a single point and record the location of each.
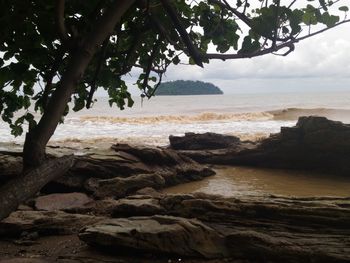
(39, 37)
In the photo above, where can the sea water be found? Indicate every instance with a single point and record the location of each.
(249, 116)
(151, 121)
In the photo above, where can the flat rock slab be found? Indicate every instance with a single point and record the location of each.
(158, 234)
(64, 201)
(45, 222)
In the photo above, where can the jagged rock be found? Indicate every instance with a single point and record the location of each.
(65, 201)
(120, 187)
(203, 141)
(45, 222)
(158, 234)
(315, 143)
(164, 160)
(96, 166)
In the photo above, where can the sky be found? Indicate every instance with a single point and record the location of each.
(320, 63)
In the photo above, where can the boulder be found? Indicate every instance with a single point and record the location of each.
(64, 201)
(203, 141)
(157, 234)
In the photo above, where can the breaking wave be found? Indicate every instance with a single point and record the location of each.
(287, 114)
(294, 113)
(202, 117)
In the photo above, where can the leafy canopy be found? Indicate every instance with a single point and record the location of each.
(38, 37)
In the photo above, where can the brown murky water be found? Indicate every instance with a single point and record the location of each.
(238, 181)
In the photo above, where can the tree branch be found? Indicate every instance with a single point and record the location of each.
(323, 30)
(149, 65)
(59, 18)
(244, 18)
(156, 70)
(51, 74)
(289, 44)
(193, 51)
(240, 15)
(97, 72)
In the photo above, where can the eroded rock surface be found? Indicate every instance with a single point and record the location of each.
(120, 187)
(160, 234)
(128, 168)
(45, 222)
(64, 201)
(278, 228)
(132, 168)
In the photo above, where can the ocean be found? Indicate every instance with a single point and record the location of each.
(249, 116)
(150, 122)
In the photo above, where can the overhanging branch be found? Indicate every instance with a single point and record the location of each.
(289, 44)
(192, 50)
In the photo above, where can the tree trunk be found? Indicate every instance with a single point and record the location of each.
(25, 186)
(37, 138)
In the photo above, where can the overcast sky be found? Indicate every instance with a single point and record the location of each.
(319, 63)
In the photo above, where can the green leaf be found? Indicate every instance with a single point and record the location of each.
(344, 8)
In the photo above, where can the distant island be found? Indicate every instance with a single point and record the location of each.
(187, 87)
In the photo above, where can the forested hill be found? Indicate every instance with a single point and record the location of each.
(187, 87)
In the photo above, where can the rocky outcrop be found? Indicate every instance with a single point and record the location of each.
(158, 234)
(277, 228)
(202, 141)
(252, 229)
(315, 143)
(126, 167)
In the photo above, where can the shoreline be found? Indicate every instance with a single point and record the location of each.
(112, 201)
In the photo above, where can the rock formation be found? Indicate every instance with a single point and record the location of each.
(202, 141)
(315, 143)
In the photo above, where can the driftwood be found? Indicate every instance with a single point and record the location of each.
(27, 185)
